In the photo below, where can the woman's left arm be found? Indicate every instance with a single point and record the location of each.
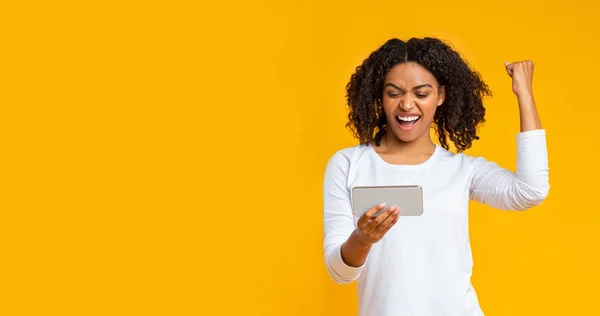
(528, 186)
(522, 86)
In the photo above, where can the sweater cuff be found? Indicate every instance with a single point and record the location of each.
(339, 267)
(531, 133)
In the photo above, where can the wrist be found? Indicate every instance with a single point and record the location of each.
(360, 242)
(526, 99)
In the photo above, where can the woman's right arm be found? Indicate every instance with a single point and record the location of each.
(347, 245)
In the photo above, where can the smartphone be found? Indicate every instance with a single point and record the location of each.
(408, 198)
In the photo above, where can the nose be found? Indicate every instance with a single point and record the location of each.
(407, 103)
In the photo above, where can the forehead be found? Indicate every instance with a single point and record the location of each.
(409, 74)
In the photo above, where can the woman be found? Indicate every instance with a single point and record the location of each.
(421, 265)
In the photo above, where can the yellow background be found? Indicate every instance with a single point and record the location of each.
(167, 158)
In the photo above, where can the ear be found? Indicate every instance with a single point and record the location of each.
(441, 95)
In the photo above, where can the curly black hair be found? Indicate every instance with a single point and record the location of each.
(457, 118)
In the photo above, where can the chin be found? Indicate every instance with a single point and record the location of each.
(405, 136)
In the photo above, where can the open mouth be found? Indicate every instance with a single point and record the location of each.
(407, 122)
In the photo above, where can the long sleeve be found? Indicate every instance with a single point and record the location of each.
(520, 190)
(338, 219)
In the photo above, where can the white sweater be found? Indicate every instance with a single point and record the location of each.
(423, 265)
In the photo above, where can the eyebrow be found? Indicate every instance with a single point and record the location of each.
(415, 88)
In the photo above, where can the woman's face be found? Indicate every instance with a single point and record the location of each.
(410, 97)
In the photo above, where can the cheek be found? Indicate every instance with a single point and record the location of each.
(389, 105)
(429, 107)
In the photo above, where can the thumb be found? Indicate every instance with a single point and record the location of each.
(509, 68)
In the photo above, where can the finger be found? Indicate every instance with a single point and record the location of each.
(370, 213)
(528, 62)
(385, 230)
(529, 65)
(364, 220)
(383, 216)
(389, 220)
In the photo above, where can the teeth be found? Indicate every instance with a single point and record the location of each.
(408, 118)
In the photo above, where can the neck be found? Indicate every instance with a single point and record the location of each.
(419, 146)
